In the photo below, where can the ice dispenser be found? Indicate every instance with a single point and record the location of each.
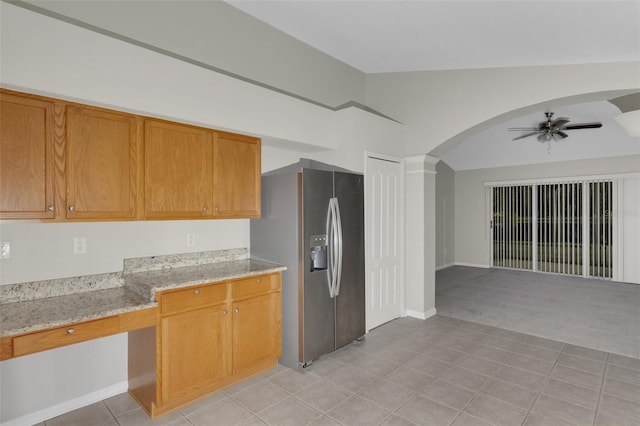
(318, 252)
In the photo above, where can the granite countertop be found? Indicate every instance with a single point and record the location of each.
(28, 307)
(39, 314)
(148, 283)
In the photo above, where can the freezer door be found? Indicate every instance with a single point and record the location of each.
(317, 316)
(350, 301)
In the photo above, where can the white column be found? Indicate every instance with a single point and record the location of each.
(420, 235)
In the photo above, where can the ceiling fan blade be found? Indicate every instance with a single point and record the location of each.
(526, 135)
(561, 133)
(521, 129)
(583, 126)
(559, 122)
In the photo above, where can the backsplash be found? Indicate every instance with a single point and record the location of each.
(63, 286)
(155, 263)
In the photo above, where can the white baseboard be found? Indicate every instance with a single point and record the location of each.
(448, 265)
(65, 407)
(420, 315)
(473, 265)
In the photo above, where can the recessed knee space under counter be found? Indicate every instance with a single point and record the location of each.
(196, 322)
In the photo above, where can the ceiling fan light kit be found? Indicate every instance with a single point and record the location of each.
(551, 130)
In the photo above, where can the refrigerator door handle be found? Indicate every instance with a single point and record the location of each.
(338, 226)
(330, 248)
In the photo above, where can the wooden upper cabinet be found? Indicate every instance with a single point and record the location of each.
(177, 171)
(236, 175)
(26, 157)
(102, 164)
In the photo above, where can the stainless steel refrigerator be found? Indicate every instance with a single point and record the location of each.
(313, 222)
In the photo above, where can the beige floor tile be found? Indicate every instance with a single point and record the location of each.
(259, 397)
(583, 364)
(497, 341)
(508, 392)
(443, 353)
(563, 411)
(293, 380)
(534, 419)
(620, 407)
(447, 393)
(244, 384)
(94, 414)
(396, 354)
(324, 366)
(323, 395)
(348, 355)
(458, 343)
(478, 365)
(491, 353)
(467, 420)
(621, 389)
(427, 365)
(325, 421)
(423, 411)
(624, 361)
(387, 394)
(290, 412)
(495, 411)
(623, 374)
(409, 378)
(375, 365)
(538, 352)
(534, 365)
(140, 418)
(357, 411)
(350, 378)
(225, 412)
(571, 393)
(202, 403)
(576, 377)
(463, 377)
(521, 377)
(253, 421)
(544, 343)
(593, 354)
(120, 404)
(397, 421)
(606, 419)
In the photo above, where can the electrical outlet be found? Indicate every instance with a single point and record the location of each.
(5, 249)
(191, 240)
(79, 245)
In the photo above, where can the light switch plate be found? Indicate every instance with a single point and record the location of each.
(5, 249)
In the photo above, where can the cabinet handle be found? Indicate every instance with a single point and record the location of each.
(217, 209)
(72, 208)
(51, 208)
(236, 310)
(259, 280)
(225, 312)
(205, 208)
(70, 331)
(197, 291)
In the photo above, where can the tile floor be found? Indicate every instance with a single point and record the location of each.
(442, 371)
(598, 314)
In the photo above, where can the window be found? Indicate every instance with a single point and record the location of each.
(563, 227)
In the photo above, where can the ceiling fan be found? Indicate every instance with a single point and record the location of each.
(550, 129)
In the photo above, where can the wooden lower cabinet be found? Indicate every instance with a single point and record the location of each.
(199, 349)
(257, 331)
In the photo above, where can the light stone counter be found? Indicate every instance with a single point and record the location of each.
(28, 307)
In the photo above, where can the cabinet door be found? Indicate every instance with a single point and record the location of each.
(102, 164)
(257, 334)
(236, 175)
(194, 351)
(178, 174)
(26, 157)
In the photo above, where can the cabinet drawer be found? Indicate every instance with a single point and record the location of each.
(67, 335)
(255, 285)
(192, 298)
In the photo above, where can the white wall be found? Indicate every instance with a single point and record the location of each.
(445, 216)
(471, 235)
(442, 106)
(43, 55)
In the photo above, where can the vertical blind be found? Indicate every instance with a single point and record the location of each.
(563, 228)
